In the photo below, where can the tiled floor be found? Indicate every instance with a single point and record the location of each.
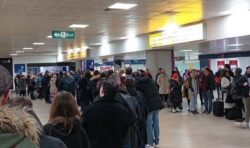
(183, 130)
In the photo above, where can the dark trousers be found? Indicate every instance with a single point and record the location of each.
(47, 94)
(201, 96)
(32, 95)
(218, 88)
(22, 93)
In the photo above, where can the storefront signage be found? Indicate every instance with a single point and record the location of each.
(176, 36)
(63, 34)
(233, 63)
(220, 64)
(77, 55)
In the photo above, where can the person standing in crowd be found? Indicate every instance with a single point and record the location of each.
(217, 79)
(17, 77)
(226, 86)
(53, 88)
(64, 122)
(208, 86)
(175, 92)
(159, 72)
(227, 67)
(46, 87)
(67, 83)
(237, 90)
(40, 86)
(200, 76)
(32, 87)
(193, 91)
(59, 79)
(84, 86)
(22, 86)
(106, 120)
(149, 89)
(141, 110)
(163, 83)
(94, 80)
(244, 84)
(186, 88)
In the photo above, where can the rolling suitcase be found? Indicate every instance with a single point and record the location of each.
(218, 108)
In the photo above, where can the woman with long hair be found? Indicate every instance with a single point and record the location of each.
(175, 92)
(53, 88)
(64, 121)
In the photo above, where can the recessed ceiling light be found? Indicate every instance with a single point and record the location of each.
(14, 54)
(28, 48)
(49, 36)
(78, 26)
(122, 6)
(186, 50)
(19, 51)
(38, 43)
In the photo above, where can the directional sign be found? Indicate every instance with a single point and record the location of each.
(63, 34)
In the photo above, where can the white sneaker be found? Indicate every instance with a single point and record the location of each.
(157, 146)
(173, 110)
(246, 125)
(149, 146)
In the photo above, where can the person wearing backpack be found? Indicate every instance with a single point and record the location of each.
(244, 83)
(67, 84)
(149, 89)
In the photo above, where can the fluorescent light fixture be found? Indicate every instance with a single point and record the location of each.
(232, 45)
(122, 6)
(78, 26)
(186, 50)
(49, 36)
(38, 43)
(96, 44)
(14, 54)
(19, 51)
(28, 48)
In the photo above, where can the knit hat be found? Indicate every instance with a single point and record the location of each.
(238, 71)
(5, 80)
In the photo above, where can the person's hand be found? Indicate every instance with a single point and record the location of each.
(245, 84)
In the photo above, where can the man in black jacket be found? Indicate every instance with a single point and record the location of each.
(244, 83)
(106, 121)
(154, 103)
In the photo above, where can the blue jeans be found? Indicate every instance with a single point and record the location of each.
(208, 98)
(193, 103)
(153, 128)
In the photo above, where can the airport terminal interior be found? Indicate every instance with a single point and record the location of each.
(124, 73)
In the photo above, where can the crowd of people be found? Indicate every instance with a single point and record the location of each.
(117, 109)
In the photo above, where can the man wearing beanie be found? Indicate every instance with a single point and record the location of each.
(5, 84)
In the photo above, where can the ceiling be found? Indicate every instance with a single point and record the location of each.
(26, 21)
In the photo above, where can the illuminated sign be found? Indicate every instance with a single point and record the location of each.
(176, 36)
(77, 55)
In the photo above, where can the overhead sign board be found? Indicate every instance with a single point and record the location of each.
(77, 55)
(63, 34)
(176, 36)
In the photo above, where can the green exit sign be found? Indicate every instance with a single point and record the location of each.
(63, 34)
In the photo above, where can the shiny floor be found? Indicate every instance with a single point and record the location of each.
(184, 130)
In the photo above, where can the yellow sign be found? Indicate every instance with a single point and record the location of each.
(77, 55)
(176, 36)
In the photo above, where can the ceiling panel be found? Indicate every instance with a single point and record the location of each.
(25, 21)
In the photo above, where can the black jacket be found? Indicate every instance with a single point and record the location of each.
(149, 89)
(77, 138)
(106, 122)
(175, 94)
(240, 85)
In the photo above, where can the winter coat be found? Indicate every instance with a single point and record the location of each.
(240, 84)
(84, 88)
(18, 129)
(53, 88)
(94, 90)
(226, 83)
(192, 87)
(208, 83)
(175, 93)
(22, 84)
(163, 84)
(76, 138)
(106, 122)
(149, 89)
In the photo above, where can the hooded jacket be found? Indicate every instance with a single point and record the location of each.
(18, 129)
